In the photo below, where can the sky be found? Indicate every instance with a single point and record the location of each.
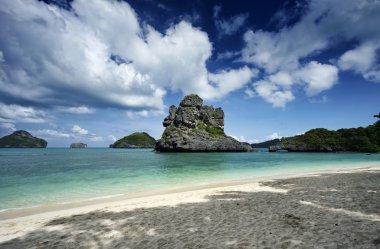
(96, 71)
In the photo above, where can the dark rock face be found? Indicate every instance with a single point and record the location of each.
(195, 127)
(22, 139)
(292, 146)
(78, 145)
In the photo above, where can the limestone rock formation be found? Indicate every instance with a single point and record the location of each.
(196, 127)
(78, 145)
(22, 139)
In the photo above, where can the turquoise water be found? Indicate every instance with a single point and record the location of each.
(34, 177)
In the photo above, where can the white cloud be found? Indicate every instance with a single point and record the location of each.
(77, 130)
(143, 114)
(1, 57)
(362, 60)
(61, 58)
(53, 133)
(287, 56)
(283, 79)
(111, 138)
(318, 77)
(228, 81)
(231, 25)
(239, 138)
(228, 55)
(77, 110)
(76, 133)
(277, 88)
(249, 93)
(21, 114)
(274, 135)
(273, 94)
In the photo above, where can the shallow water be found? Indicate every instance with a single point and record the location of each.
(34, 177)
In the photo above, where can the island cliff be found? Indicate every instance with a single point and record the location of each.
(22, 139)
(78, 145)
(196, 127)
(362, 139)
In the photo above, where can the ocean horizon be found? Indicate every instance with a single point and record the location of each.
(54, 176)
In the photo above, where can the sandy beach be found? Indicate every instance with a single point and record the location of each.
(316, 210)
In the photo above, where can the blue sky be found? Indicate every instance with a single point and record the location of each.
(95, 71)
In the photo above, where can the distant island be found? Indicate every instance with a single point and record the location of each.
(22, 139)
(266, 144)
(196, 127)
(134, 141)
(78, 145)
(360, 139)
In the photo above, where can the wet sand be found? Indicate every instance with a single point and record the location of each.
(334, 210)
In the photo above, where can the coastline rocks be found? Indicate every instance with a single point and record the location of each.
(195, 127)
(137, 140)
(22, 139)
(78, 145)
(297, 144)
(361, 139)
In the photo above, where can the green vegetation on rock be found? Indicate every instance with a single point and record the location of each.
(135, 140)
(266, 144)
(22, 139)
(361, 139)
(212, 131)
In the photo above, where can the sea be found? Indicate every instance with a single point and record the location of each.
(54, 176)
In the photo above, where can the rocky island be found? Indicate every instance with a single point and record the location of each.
(78, 146)
(137, 140)
(196, 127)
(22, 139)
(361, 139)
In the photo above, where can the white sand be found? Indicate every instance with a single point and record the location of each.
(66, 226)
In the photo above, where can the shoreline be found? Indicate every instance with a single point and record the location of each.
(14, 213)
(20, 222)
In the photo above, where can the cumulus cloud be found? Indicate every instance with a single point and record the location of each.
(231, 25)
(317, 77)
(21, 114)
(277, 88)
(230, 80)
(273, 94)
(79, 131)
(64, 58)
(362, 60)
(287, 56)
